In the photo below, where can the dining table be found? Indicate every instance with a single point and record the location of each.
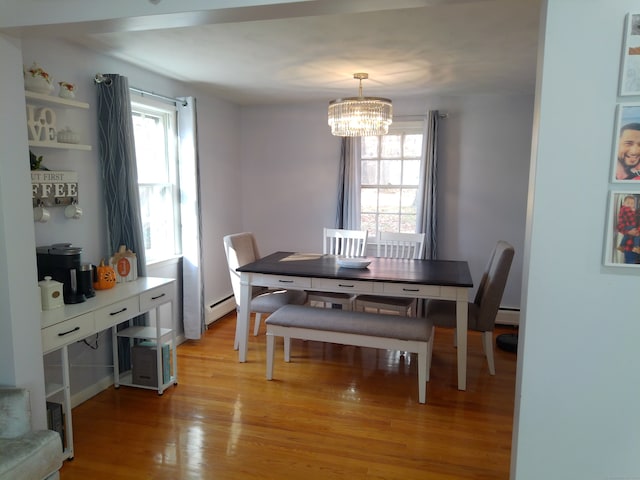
(393, 277)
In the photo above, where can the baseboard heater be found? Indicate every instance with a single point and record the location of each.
(508, 316)
(219, 309)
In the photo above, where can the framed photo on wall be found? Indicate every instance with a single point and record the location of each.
(625, 163)
(622, 245)
(630, 71)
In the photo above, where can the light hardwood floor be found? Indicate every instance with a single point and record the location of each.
(335, 412)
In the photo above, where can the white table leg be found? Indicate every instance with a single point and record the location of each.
(461, 336)
(242, 327)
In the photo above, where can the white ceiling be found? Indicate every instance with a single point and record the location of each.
(264, 56)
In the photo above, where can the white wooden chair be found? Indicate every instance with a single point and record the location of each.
(394, 245)
(241, 249)
(351, 243)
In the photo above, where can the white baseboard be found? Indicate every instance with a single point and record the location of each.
(219, 309)
(91, 391)
(508, 317)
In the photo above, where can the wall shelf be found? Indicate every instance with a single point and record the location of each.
(64, 146)
(55, 100)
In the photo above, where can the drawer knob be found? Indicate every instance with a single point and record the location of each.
(158, 296)
(345, 286)
(119, 311)
(410, 290)
(285, 281)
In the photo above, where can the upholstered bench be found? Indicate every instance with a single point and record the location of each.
(363, 329)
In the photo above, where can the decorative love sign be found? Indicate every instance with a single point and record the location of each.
(41, 123)
(53, 189)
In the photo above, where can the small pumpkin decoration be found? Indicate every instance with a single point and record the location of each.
(105, 277)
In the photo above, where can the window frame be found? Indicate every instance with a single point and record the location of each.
(402, 127)
(168, 113)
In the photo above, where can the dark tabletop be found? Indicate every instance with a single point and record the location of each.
(425, 272)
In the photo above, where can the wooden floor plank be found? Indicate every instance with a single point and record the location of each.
(334, 412)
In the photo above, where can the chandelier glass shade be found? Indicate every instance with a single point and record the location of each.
(360, 116)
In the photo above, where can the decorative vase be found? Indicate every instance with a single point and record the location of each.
(67, 90)
(37, 80)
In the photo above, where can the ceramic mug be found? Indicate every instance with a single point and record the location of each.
(41, 214)
(73, 211)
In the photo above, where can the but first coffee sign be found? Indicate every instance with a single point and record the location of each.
(51, 188)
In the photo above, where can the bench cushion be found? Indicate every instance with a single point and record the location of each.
(345, 321)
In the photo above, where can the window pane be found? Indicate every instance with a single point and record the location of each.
(408, 224)
(411, 172)
(368, 222)
(391, 146)
(389, 200)
(390, 172)
(149, 134)
(369, 172)
(369, 200)
(369, 147)
(409, 200)
(156, 208)
(388, 223)
(413, 146)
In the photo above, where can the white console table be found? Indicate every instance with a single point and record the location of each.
(109, 308)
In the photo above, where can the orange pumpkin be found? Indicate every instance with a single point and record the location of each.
(105, 277)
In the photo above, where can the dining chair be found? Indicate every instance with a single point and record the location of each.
(484, 309)
(350, 243)
(241, 249)
(394, 245)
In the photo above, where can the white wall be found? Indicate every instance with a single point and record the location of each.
(218, 128)
(579, 369)
(290, 167)
(20, 340)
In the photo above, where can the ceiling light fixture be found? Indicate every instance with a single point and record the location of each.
(360, 116)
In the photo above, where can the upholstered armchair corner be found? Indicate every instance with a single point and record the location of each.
(25, 453)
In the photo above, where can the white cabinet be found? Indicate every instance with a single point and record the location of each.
(40, 110)
(107, 310)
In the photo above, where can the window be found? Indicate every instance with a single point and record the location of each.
(390, 171)
(154, 127)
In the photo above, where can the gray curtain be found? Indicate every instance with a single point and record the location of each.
(119, 173)
(192, 283)
(348, 186)
(427, 219)
(120, 180)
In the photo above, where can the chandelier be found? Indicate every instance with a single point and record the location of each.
(360, 116)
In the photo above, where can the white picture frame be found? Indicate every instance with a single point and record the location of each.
(625, 157)
(613, 256)
(630, 70)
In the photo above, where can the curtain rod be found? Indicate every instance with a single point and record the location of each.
(100, 78)
(419, 117)
(157, 95)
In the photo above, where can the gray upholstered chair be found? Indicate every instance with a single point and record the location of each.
(25, 453)
(394, 245)
(483, 310)
(241, 249)
(349, 243)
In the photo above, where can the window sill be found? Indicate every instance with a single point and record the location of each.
(165, 262)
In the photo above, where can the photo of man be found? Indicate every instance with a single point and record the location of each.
(626, 158)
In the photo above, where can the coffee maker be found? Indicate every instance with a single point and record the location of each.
(61, 262)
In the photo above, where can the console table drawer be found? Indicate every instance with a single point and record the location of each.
(342, 286)
(66, 332)
(115, 313)
(155, 297)
(406, 289)
(275, 281)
